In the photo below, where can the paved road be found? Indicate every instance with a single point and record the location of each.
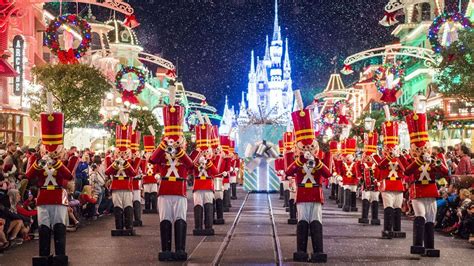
(256, 232)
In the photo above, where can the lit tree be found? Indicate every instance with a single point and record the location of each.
(77, 92)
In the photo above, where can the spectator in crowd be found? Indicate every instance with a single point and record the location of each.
(82, 172)
(97, 181)
(465, 214)
(73, 208)
(4, 243)
(17, 209)
(464, 165)
(88, 202)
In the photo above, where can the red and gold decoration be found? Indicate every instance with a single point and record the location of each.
(68, 23)
(435, 118)
(129, 94)
(393, 75)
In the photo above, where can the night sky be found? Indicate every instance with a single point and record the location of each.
(212, 39)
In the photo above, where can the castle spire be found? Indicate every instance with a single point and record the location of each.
(242, 103)
(286, 62)
(276, 28)
(252, 64)
(287, 57)
(267, 51)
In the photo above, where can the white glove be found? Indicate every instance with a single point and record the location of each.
(427, 158)
(224, 174)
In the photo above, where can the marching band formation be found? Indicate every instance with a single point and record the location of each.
(161, 173)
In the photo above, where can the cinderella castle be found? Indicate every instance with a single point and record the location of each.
(269, 97)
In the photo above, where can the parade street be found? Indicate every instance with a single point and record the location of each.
(255, 232)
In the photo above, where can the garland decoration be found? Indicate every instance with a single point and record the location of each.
(130, 94)
(438, 24)
(435, 118)
(71, 55)
(389, 93)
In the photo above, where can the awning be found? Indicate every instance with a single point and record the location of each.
(6, 70)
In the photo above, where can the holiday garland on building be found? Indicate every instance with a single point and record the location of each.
(439, 23)
(130, 94)
(398, 72)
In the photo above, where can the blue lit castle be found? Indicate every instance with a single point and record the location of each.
(269, 97)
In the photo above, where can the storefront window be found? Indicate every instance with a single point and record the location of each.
(11, 128)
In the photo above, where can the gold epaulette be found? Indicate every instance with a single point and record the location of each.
(319, 166)
(162, 146)
(419, 162)
(180, 154)
(209, 164)
(36, 166)
(298, 162)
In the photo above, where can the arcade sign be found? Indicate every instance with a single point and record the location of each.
(18, 53)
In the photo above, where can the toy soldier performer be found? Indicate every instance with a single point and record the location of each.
(136, 181)
(391, 177)
(423, 189)
(370, 188)
(150, 175)
(309, 172)
(234, 170)
(218, 182)
(204, 171)
(350, 176)
(289, 184)
(122, 172)
(173, 163)
(52, 177)
(224, 169)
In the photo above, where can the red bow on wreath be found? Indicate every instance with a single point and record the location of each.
(343, 120)
(389, 96)
(67, 57)
(388, 19)
(347, 69)
(129, 96)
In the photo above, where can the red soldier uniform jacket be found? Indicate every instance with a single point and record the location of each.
(308, 180)
(391, 174)
(279, 166)
(136, 179)
(368, 170)
(350, 174)
(51, 182)
(203, 176)
(149, 172)
(224, 166)
(72, 164)
(173, 171)
(337, 167)
(121, 178)
(423, 179)
(235, 166)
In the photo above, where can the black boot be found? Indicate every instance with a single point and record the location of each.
(301, 253)
(282, 192)
(397, 224)
(198, 212)
(208, 219)
(128, 221)
(226, 201)
(387, 223)
(118, 214)
(219, 212)
(347, 200)
(418, 235)
(147, 202)
(286, 199)
(333, 192)
(317, 239)
(154, 202)
(233, 186)
(60, 257)
(430, 251)
(292, 207)
(137, 213)
(336, 191)
(44, 247)
(375, 213)
(340, 196)
(354, 202)
(165, 235)
(180, 240)
(365, 212)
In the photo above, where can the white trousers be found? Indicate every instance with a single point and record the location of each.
(226, 186)
(122, 198)
(309, 211)
(50, 215)
(150, 188)
(425, 207)
(137, 195)
(233, 179)
(172, 208)
(219, 194)
(286, 184)
(202, 197)
(370, 195)
(352, 188)
(392, 199)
